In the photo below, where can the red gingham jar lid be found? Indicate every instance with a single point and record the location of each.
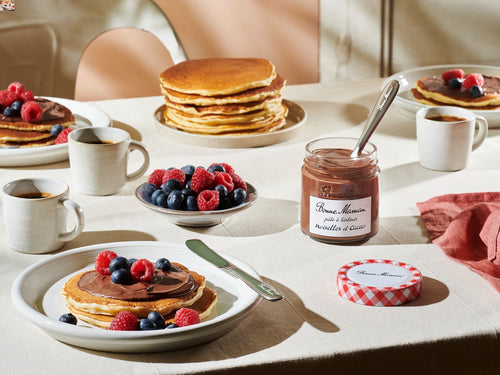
(379, 282)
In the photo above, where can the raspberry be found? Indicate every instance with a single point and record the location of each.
(156, 177)
(174, 173)
(223, 178)
(142, 270)
(208, 200)
(474, 79)
(226, 166)
(7, 98)
(124, 321)
(454, 73)
(238, 181)
(31, 111)
(201, 180)
(16, 87)
(26, 96)
(186, 317)
(102, 261)
(63, 136)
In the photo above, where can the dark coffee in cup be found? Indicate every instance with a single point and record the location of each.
(445, 118)
(34, 195)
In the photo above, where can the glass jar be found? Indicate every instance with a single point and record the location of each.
(340, 193)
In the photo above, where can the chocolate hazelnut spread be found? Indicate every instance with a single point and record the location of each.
(174, 283)
(340, 195)
(52, 112)
(436, 84)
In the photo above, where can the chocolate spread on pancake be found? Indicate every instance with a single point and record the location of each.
(170, 284)
(52, 111)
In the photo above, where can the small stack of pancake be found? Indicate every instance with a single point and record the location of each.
(15, 132)
(224, 96)
(435, 91)
(100, 305)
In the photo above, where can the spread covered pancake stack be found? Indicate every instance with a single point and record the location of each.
(224, 96)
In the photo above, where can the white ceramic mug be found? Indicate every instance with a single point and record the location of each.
(99, 159)
(37, 212)
(445, 136)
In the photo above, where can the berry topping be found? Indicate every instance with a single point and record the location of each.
(163, 264)
(121, 276)
(124, 321)
(156, 177)
(186, 317)
(26, 96)
(223, 178)
(474, 79)
(174, 173)
(147, 325)
(476, 91)
(118, 263)
(103, 260)
(17, 105)
(142, 270)
(157, 319)
(31, 111)
(63, 136)
(455, 83)
(453, 73)
(7, 98)
(208, 200)
(10, 111)
(201, 180)
(16, 87)
(68, 318)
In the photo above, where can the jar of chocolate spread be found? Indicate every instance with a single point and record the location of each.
(340, 193)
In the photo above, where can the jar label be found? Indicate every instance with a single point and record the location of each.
(340, 218)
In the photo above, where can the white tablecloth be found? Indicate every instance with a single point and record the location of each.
(452, 328)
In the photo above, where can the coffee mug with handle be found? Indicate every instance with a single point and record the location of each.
(37, 212)
(99, 159)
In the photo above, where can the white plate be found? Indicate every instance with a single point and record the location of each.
(295, 119)
(85, 115)
(408, 106)
(35, 293)
(199, 218)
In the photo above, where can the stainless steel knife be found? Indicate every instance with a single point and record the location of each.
(265, 290)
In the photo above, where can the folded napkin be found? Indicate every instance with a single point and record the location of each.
(467, 228)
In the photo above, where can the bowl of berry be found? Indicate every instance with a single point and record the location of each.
(196, 196)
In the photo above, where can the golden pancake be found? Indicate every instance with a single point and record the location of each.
(25, 144)
(12, 135)
(218, 76)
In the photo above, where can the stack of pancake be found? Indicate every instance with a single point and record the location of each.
(224, 96)
(435, 91)
(15, 132)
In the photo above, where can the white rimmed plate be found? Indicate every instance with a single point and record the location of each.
(35, 293)
(85, 115)
(408, 106)
(198, 218)
(295, 119)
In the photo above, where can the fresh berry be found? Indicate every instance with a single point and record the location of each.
(121, 276)
(175, 200)
(239, 196)
(171, 185)
(31, 111)
(142, 270)
(161, 200)
(455, 83)
(174, 173)
(474, 91)
(187, 192)
(453, 73)
(238, 181)
(17, 105)
(171, 325)
(157, 319)
(63, 136)
(227, 167)
(216, 168)
(474, 79)
(102, 261)
(16, 87)
(124, 321)
(131, 261)
(191, 203)
(147, 325)
(10, 112)
(26, 96)
(208, 200)
(156, 177)
(223, 178)
(7, 98)
(155, 195)
(186, 317)
(201, 180)
(188, 171)
(148, 192)
(68, 318)
(118, 263)
(223, 192)
(163, 264)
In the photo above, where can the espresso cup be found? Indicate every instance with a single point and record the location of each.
(446, 136)
(37, 213)
(99, 160)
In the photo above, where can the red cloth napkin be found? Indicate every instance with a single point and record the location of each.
(467, 228)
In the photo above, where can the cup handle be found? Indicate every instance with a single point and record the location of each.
(134, 145)
(482, 132)
(79, 219)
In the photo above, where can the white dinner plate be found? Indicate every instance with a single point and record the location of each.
(408, 106)
(85, 115)
(295, 119)
(36, 294)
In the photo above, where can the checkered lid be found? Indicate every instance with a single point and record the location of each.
(379, 282)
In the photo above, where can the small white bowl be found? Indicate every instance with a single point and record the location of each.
(198, 218)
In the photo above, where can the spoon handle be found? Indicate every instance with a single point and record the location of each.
(384, 101)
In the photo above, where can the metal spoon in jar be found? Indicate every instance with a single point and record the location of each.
(384, 101)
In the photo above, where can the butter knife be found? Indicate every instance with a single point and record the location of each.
(262, 288)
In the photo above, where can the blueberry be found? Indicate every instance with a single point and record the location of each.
(171, 185)
(187, 184)
(118, 263)
(155, 195)
(56, 129)
(191, 203)
(188, 171)
(222, 191)
(175, 200)
(68, 318)
(225, 203)
(171, 325)
(163, 264)
(188, 192)
(239, 196)
(157, 319)
(455, 83)
(476, 91)
(160, 199)
(216, 168)
(121, 276)
(148, 192)
(131, 261)
(147, 325)
(10, 112)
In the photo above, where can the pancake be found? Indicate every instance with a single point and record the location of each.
(13, 135)
(25, 144)
(218, 76)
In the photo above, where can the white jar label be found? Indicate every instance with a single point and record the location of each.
(340, 218)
